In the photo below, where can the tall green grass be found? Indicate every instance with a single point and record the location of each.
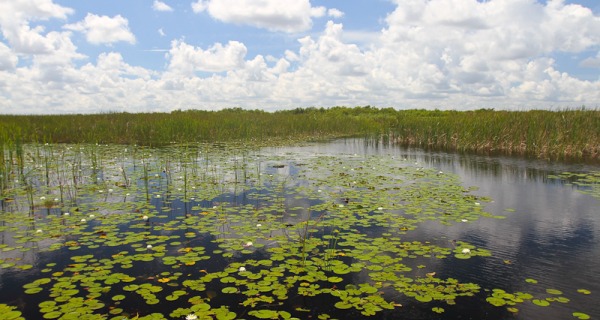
(546, 134)
(542, 134)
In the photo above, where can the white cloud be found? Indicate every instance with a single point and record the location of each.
(186, 59)
(200, 5)
(430, 53)
(112, 64)
(161, 6)
(104, 29)
(161, 32)
(318, 12)
(15, 17)
(274, 15)
(8, 60)
(31, 10)
(479, 48)
(335, 13)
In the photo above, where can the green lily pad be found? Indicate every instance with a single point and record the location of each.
(229, 290)
(581, 315)
(541, 303)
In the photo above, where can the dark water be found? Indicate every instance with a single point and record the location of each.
(551, 234)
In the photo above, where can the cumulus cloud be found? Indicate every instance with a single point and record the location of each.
(17, 11)
(103, 29)
(161, 6)
(15, 18)
(8, 60)
(274, 15)
(335, 13)
(430, 53)
(186, 59)
(481, 48)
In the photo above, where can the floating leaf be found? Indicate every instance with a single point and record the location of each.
(335, 279)
(438, 310)
(498, 302)
(229, 290)
(554, 291)
(584, 291)
(342, 305)
(581, 315)
(264, 314)
(541, 303)
(118, 297)
(529, 280)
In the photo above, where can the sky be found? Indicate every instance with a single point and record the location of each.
(90, 56)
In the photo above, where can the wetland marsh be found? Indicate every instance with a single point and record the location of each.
(349, 228)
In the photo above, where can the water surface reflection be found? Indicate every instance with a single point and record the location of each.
(551, 232)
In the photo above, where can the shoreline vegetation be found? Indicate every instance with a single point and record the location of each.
(557, 135)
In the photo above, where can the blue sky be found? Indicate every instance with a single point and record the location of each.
(84, 56)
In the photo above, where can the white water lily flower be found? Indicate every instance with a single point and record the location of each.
(466, 250)
(110, 190)
(242, 269)
(464, 220)
(39, 231)
(191, 317)
(477, 203)
(380, 208)
(319, 190)
(145, 217)
(248, 244)
(66, 213)
(42, 198)
(149, 246)
(83, 220)
(258, 225)
(91, 215)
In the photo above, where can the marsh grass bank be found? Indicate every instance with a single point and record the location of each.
(570, 134)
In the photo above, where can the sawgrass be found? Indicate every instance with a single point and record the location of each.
(537, 133)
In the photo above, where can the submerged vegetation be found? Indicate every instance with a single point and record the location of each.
(571, 134)
(212, 231)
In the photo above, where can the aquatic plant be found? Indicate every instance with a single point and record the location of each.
(224, 243)
(563, 134)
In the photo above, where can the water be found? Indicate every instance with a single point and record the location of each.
(550, 234)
